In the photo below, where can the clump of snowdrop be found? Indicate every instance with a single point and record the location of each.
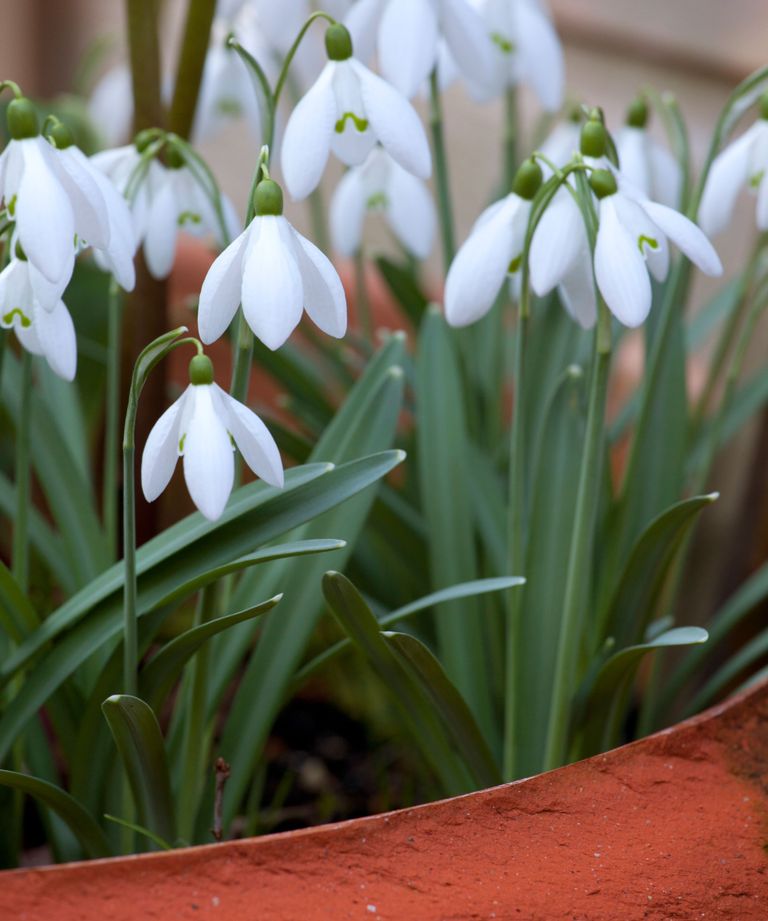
(743, 164)
(408, 36)
(276, 274)
(492, 252)
(165, 199)
(644, 162)
(203, 427)
(347, 110)
(382, 185)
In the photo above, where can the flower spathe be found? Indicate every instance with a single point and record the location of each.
(742, 164)
(408, 34)
(201, 427)
(347, 110)
(45, 331)
(382, 185)
(275, 273)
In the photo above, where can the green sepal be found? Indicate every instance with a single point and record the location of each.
(338, 42)
(22, 120)
(201, 370)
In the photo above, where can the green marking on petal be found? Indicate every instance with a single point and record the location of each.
(25, 321)
(505, 45)
(642, 240)
(376, 201)
(12, 207)
(515, 264)
(181, 443)
(756, 179)
(228, 105)
(360, 123)
(189, 217)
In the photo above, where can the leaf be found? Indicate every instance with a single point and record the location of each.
(17, 616)
(405, 289)
(78, 819)
(140, 745)
(704, 321)
(602, 704)
(139, 829)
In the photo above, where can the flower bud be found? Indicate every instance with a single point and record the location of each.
(764, 106)
(21, 116)
(201, 370)
(528, 179)
(61, 136)
(637, 113)
(594, 139)
(268, 199)
(338, 42)
(603, 183)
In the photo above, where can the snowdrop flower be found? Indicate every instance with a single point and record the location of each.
(165, 200)
(633, 237)
(57, 202)
(380, 184)
(645, 163)
(408, 35)
(492, 251)
(203, 426)
(743, 163)
(110, 105)
(525, 49)
(562, 142)
(46, 331)
(347, 110)
(275, 273)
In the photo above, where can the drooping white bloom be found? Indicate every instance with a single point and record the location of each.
(201, 427)
(58, 203)
(276, 274)
(633, 237)
(742, 164)
(164, 201)
(491, 252)
(46, 331)
(382, 185)
(561, 143)
(525, 49)
(408, 35)
(347, 110)
(644, 162)
(110, 105)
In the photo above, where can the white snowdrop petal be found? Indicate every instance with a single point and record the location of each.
(727, 176)
(55, 333)
(577, 290)
(407, 43)
(468, 41)
(324, 298)
(761, 212)
(558, 239)
(272, 291)
(411, 212)
(395, 123)
(689, 238)
(666, 176)
(88, 205)
(362, 19)
(307, 138)
(111, 105)
(161, 451)
(620, 269)
(253, 439)
(632, 146)
(347, 213)
(540, 54)
(209, 464)
(220, 293)
(162, 232)
(44, 219)
(480, 267)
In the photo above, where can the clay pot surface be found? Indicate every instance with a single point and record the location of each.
(671, 827)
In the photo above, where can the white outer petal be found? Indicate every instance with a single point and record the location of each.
(307, 138)
(761, 210)
(727, 176)
(407, 43)
(324, 298)
(577, 290)
(161, 451)
(689, 238)
(347, 212)
(481, 264)
(220, 293)
(395, 123)
(540, 54)
(468, 41)
(88, 205)
(252, 438)
(632, 146)
(557, 241)
(111, 105)
(162, 231)
(209, 465)
(410, 212)
(55, 335)
(362, 20)
(620, 269)
(272, 293)
(666, 176)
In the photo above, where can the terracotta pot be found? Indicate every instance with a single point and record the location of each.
(671, 827)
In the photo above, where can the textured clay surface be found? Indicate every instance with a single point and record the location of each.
(673, 827)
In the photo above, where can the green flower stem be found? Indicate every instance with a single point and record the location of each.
(194, 749)
(510, 138)
(144, 49)
(112, 423)
(283, 75)
(189, 73)
(362, 302)
(267, 103)
(20, 550)
(580, 557)
(445, 208)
